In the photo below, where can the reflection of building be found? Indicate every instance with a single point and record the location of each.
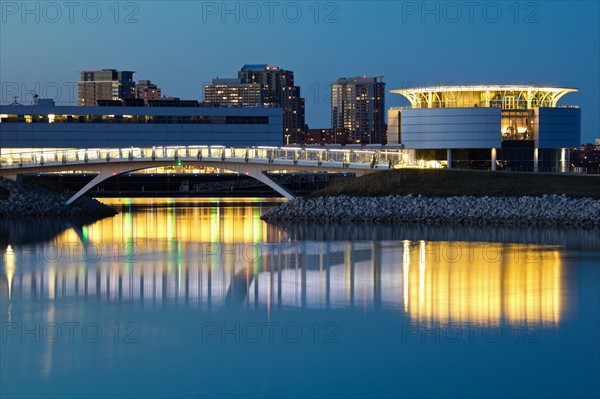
(227, 256)
(488, 127)
(358, 105)
(106, 84)
(482, 283)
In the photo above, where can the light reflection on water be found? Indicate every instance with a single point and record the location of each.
(181, 262)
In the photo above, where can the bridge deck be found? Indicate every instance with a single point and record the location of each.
(250, 161)
(285, 156)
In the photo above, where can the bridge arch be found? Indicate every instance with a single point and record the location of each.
(107, 171)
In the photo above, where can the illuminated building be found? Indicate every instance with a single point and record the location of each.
(265, 85)
(26, 128)
(106, 84)
(519, 128)
(235, 92)
(358, 105)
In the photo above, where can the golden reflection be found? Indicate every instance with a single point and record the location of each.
(9, 261)
(212, 255)
(481, 282)
(405, 272)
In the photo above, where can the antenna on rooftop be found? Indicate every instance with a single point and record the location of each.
(35, 97)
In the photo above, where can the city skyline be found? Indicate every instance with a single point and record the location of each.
(540, 44)
(299, 198)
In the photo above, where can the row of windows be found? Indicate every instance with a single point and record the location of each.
(218, 120)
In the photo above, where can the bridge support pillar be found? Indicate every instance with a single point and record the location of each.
(103, 175)
(264, 178)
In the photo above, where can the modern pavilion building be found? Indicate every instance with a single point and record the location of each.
(519, 128)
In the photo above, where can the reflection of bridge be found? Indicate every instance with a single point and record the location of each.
(250, 161)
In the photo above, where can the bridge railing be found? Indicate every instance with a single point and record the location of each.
(321, 156)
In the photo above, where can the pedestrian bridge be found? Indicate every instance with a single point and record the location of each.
(250, 161)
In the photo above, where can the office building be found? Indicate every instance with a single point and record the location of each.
(235, 92)
(267, 86)
(106, 84)
(358, 105)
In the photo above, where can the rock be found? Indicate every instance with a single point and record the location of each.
(549, 210)
(28, 200)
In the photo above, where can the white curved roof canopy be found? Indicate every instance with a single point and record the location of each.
(504, 96)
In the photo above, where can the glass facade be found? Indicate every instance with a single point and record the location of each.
(518, 125)
(516, 156)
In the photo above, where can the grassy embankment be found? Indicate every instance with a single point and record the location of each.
(448, 183)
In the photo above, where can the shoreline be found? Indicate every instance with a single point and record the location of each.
(26, 200)
(547, 210)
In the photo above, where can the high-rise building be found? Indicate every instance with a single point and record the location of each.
(263, 85)
(235, 92)
(280, 86)
(106, 84)
(358, 105)
(146, 90)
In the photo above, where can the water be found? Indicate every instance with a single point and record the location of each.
(200, 298)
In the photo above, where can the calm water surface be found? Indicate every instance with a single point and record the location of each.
(200, 298)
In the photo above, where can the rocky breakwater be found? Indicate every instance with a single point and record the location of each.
(547, 210)
(28, 200)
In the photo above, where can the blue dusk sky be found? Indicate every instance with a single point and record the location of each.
(180, 45)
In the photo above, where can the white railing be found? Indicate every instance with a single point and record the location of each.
(322, 157)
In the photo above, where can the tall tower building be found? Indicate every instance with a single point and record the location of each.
(267, 86)
(106, 84)
(279, 84)
(358, 105)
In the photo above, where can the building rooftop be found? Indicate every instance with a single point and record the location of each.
(361, 79)
(259, 67)
(506, 96)
(227, 81)
(483, 88)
